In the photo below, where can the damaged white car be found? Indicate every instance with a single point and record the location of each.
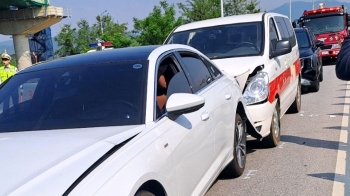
(148, 120)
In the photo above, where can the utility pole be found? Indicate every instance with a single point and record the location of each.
(290, 10)
(222, 8)
(101, 27)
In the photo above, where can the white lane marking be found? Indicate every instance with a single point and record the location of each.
(282, 145)
(250, 173)
(340, 169)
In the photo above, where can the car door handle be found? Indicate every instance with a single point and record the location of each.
(205, 116)
(228, 96)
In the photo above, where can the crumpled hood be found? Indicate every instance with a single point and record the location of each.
(238, 65)
(50, 161)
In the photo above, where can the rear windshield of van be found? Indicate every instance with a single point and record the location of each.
(225, 41)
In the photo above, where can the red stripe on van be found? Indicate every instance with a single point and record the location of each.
(279, 84)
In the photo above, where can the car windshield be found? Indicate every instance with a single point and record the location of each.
(303, 40)
(96, 95)
(329, 24)
(226, 41)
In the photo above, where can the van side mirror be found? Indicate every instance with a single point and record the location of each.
(282, 47)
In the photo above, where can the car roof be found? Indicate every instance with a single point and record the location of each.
(120, 54)
(245, 18)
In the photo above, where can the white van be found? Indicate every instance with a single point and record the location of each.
(261, 52)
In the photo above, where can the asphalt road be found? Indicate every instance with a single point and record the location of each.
(311, 157)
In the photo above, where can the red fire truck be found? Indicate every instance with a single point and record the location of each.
(329, 24)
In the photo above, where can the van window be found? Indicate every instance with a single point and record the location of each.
(273, 35)
(282, 27)
(224, 41)
(290, 29)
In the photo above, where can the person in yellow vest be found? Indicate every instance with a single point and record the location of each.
(6, 70)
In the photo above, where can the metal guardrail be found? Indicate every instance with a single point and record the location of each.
(36, 12)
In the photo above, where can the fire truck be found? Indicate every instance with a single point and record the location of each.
(329, 24)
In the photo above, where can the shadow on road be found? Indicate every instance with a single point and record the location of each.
(326, 176)
(328, 62)
(316, 143)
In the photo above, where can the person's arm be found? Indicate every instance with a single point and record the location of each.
(342, 66)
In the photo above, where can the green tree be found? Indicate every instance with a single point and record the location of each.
(237, 7)
(157, 25)
(197, 10)
(65, 40)
(84, 36)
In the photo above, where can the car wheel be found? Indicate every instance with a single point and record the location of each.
(315, 87)
(144, 193)
(321, 74)
(236, 167)
(273, 139)
(296, 105)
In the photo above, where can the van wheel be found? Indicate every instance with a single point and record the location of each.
(236, 167)
(273, 139)
(296, 105)
(144, 193)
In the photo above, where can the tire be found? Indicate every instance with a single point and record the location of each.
(315, 87)
(144, 193)
(236, 167)
(321, 75)
(296, 105)
(273, 139)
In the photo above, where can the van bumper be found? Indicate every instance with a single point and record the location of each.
(261, 115)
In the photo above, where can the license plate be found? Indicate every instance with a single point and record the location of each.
(325, 52)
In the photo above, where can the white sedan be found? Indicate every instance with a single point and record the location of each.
(149, 120)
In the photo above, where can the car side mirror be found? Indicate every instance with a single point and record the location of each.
(282, 47)
(183, 103)
(319, 43)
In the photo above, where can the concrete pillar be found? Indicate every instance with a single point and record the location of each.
(22, 51)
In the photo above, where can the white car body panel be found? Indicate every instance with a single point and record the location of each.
(47, 162)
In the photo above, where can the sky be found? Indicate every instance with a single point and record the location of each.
(122, 11)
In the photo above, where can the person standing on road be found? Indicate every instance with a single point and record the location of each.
(342, 66)
(6, 70)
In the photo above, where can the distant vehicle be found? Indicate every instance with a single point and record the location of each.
(311, 60)
(101, 45)
(147, 120)
(329, 24)
(261, 51)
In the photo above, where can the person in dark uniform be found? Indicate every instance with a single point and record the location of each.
(342, 65)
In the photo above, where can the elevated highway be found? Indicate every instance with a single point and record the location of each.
(20, 18)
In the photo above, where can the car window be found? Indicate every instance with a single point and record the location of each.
(106, 94)
(291, 33)
(166, 70)
(273, 35)
(196, 69)
(212, 69)
(303, 40)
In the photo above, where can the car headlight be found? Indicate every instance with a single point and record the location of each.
(257, 89)
(307, 62)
